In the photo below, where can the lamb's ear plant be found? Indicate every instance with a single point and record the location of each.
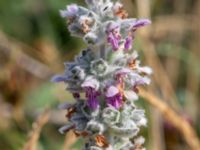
(108, 72)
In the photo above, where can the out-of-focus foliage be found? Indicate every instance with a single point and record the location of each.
(34, 43)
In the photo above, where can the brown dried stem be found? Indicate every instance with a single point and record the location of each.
(31, 144)
(181, 124)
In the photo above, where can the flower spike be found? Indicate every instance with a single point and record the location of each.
(104, 78)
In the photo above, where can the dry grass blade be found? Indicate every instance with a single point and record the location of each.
(182, 125)
(31, 144)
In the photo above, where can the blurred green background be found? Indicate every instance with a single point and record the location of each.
(34, 43)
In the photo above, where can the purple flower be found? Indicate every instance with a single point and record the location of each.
(91, 95)
(91, 85)
(114, 97)
(128, 43)
(142, 81)
(113, 41)
(137, 79)
(113, 35)
(133, 26)
(140, 23)
(70, 12)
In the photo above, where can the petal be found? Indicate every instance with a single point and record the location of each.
(115, 45)
(130, 95)
(117, 104)
(93, 103)
(111, 26)
(144, 80)
(146, 70)
(90, 82)
(113, 41)
(58, 78)
(112, 91)
(122, 71)
(128, 43)
(141, 23)
(73, 8)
